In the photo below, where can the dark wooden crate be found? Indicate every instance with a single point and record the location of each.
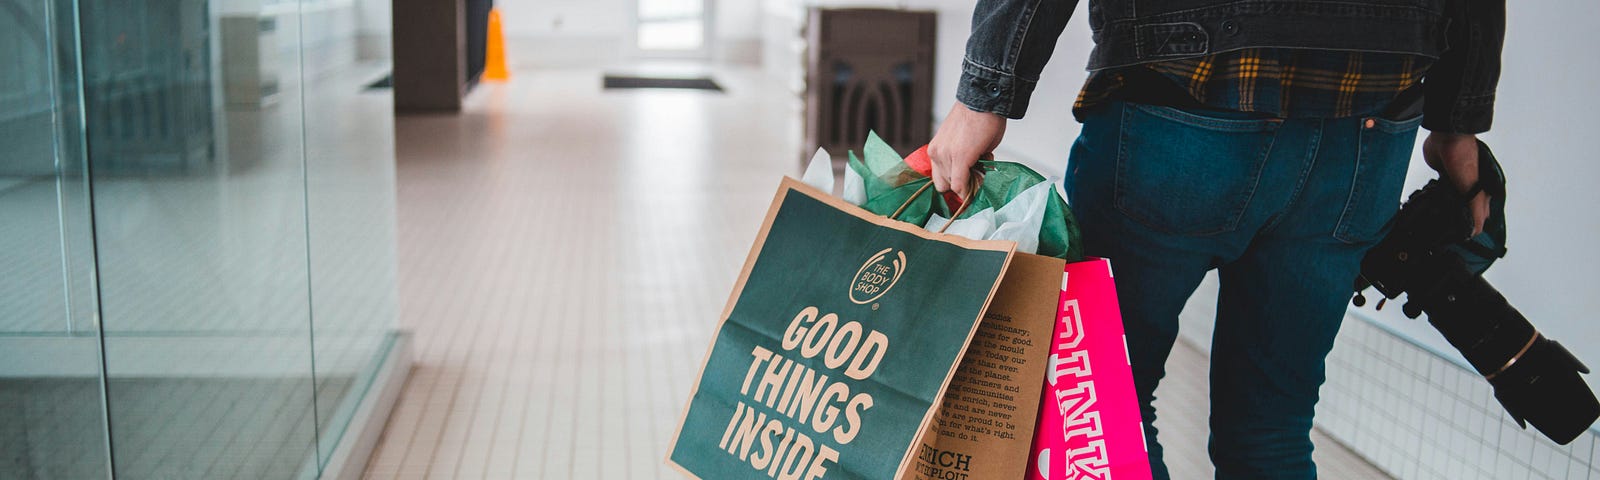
(869, 70)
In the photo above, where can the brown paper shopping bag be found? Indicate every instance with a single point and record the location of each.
(985, 425)
(838, 347)
(837, 342)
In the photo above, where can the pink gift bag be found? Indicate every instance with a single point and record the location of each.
(1089, 425)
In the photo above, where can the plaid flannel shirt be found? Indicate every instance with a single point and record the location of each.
(1285, 83)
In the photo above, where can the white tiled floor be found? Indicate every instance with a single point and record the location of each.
(564, 253)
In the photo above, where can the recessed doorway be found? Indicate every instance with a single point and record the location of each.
(672, 28)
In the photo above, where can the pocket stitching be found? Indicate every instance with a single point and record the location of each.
(1201, 121)
(1234, 217)
(1341, 231)
(1397, 126)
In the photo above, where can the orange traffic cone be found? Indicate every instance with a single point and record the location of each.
(494, 61)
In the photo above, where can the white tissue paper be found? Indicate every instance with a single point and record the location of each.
(855, 189)
(1018, 221)
(1021, 219)
(978, 226)
(819, 173)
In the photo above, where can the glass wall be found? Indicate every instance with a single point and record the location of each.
(52, 397)
(196, 236)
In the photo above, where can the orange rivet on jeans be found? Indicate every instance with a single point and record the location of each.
(1370, 123)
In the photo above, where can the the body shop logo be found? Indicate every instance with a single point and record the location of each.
(877, 276)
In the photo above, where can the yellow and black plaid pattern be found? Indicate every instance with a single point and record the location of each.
(1285, 83)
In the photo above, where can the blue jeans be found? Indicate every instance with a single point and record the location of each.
(1284, 209)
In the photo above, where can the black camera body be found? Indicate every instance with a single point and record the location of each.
(1429, 256)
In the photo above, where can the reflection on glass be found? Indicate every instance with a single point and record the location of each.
(349, 165)
(200, 225)
(52, 422)
(196, 235)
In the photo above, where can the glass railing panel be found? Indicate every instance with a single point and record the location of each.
(195, 140)
(350, 172)
(52, 421)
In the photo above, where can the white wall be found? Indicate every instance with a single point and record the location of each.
(545, 33)
(561, 32)
(737, 30)
(374, 25)
(782, 43)
(738, 19)
(374, 16)
(608, 18)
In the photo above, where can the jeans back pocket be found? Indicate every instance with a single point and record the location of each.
(1380, 174)
(1189, 173)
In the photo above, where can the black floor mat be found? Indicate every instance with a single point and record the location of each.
(386, 82)
(625, 81)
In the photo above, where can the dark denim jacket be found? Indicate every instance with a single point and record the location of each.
(1012, 39)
